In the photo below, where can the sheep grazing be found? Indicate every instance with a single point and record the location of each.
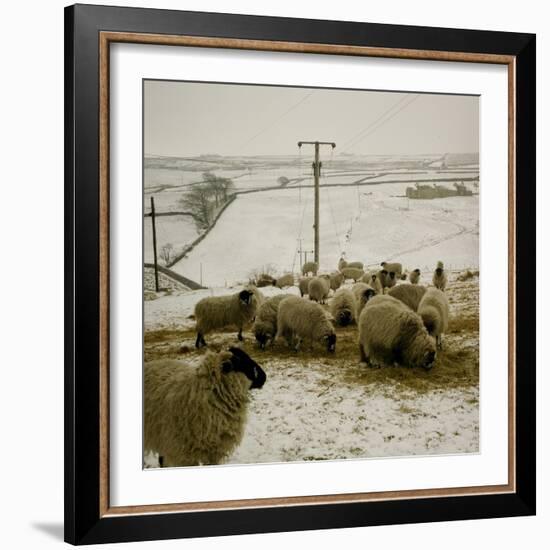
(362, 293)
(215, 312)
(284, 280)
(434, 310)
(372, 279)
(343, 306)
(310, 267)
(342, 264)
(197, 415)
(396, 267)
(414, 276)
(409, 294)
(439, 279)
(300, 320)
(389, 332)
(352, 273)
(265, 325)
(303, 285)
(265, 280)
(336, 280)
(318, 289)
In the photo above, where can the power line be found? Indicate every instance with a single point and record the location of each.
(385, 121)
(291, 108)
(369, 126)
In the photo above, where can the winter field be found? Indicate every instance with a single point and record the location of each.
(360, 215)
(316, 406)
(319, 407)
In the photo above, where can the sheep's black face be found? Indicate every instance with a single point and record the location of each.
(368, 294)
(331, 342)
(417, 271)
(344, 318)
(429, 359)
(241, 362)
(392, 275)
(439, 271)
(262, 339)
(245, 296)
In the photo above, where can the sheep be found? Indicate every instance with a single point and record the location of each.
(396, 267)
(303, 285)
(362, 293)
(343, 264)
(391, 279)
(284, 280)
(409, 294)
(310, 267)
(414, 276)
(318, 289)
(336, 280)
(439, 279)
(265, 280)
(434, 310)
(299, 320)
(372, 279)
(214, 312)
(352, 273)
(389, 332)
(196, 415)
(343, 306)
(265, 324)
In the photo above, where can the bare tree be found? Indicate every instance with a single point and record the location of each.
(197, 200)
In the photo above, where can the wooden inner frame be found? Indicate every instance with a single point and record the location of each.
(105, 39)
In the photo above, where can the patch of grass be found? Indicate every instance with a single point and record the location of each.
(464, 324)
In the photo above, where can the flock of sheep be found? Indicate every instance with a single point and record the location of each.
(196, 415)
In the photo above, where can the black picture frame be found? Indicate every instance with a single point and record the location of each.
(84, 523)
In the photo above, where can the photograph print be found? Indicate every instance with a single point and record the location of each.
(310, 274)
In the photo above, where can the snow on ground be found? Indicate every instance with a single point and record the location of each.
(370, 224)
(316, 406)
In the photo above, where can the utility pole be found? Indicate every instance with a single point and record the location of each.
(316, 176)
(154, 243)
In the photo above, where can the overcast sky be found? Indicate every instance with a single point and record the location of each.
(188, 119)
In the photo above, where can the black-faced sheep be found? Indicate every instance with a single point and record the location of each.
(390, 332)
(414, 276)
(439, 279)
(391, 279)
(265, 325)
(318, 289)
(300, 320)
(352, 273)
(409, 294)
(396, 267)
(362, 292)
(434, 310)
(284, 280)
(215, 312)
(372, 279)
(310, 267)
(342, 307)
(196, 414)
(303, 285)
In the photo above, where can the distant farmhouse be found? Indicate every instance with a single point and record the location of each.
(437, 191)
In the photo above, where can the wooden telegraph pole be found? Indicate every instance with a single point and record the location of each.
(316, 176)
(154, 243)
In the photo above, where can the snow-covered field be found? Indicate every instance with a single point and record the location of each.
(320, 407)
(370, 224)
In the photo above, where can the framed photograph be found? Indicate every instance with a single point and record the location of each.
(299, 257)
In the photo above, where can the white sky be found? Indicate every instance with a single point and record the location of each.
(188, 119)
